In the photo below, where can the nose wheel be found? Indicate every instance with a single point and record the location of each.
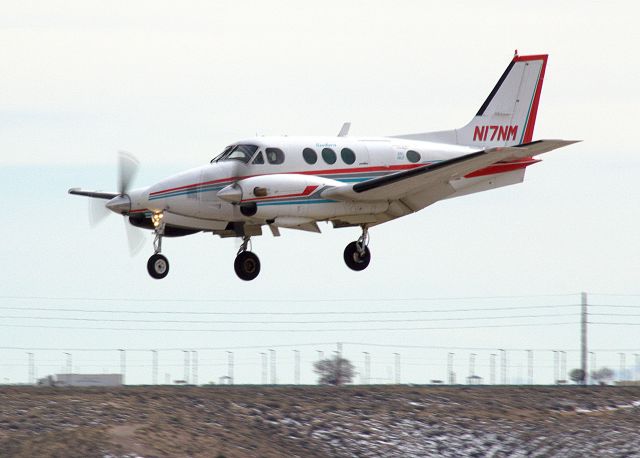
(158, 265)
(357, 255)
(247, 264)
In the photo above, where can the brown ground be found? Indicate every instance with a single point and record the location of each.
(319, 421)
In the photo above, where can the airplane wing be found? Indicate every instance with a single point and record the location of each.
(435, 178)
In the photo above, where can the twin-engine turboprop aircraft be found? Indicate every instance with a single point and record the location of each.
(295, 182)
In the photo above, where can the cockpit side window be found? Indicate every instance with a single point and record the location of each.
(259, 159)
(242, 153)
(275, 156)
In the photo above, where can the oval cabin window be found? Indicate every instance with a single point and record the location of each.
(348, 156)
(329, 156)
(310, 156)
(413, 156)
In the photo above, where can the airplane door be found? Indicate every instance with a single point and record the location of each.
(380, 153)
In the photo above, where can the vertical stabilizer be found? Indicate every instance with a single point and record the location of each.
(508, 115)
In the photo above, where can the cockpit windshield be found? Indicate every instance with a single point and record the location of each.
(242, 153)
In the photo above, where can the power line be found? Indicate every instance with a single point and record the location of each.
(285, 300)
(341, 312)
(130, 320)
(288, 330)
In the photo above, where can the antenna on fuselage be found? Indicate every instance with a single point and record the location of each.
(345, 129)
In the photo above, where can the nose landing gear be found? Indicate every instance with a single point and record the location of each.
(247, 264)
(158, 265)
(357, 255)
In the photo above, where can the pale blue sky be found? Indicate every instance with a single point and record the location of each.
(173, 84)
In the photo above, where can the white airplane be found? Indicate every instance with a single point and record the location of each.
(295, 182)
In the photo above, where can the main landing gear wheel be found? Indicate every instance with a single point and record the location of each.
(357, 255)
(356, 258)
(158, 266)
(247, 265)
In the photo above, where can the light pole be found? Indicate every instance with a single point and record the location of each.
(555, 366)
(263, 355)
(492, 371)
(186, 366)
(123, 365)
(296, 368)
(230, 367)
(563, 366)
(472, 364)
(154, 366)
(397, 361)
(272, 353)
(593, 365)
(194, 367)
(367, 368)
(503, 353)
(69, 366)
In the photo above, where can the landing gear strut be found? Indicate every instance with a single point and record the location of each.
(357, 255)
(247, 264)
(158, 265)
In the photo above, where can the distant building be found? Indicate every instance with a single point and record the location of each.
(81, 380)
(474, 380)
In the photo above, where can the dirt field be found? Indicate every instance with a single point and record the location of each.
(387, 421)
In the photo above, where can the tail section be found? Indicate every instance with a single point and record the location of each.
(508, 115)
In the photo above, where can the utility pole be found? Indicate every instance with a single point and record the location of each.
(397, 364)
(583, 339)
(194, 367)
(69, 365)
(556, 357)
(563, 365)
(503, 363)
(593, 365)
(320, 355)
(367, 368)
(186, 366)
(296, 363)
(272, 353)
(31, 369)
(123, 365)
(230, 367)
(154, 366)
(623, 366)
(492, 369)
(450, 375)
(339, 349)
(263, 355)
(530, 364)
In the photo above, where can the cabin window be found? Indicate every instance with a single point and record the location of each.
(274, 155)
(310, 156)
(329, 155)
(348, 156)
(413, 156)
(259, 159)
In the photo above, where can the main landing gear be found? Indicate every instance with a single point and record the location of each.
(247, 264)
(158, 265)
(357, 255)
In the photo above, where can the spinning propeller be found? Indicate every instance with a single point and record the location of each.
(117, 203)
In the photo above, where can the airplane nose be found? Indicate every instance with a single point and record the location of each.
(120, 204)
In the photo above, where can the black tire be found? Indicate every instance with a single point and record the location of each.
(247, 266)
(158, 266)
(354, 260)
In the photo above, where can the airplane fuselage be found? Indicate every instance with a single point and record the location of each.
(281, 181)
